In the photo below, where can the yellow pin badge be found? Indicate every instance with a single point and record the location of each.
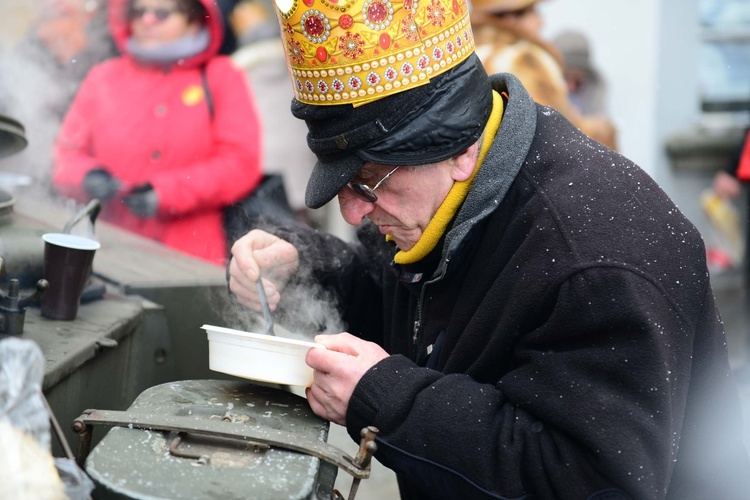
(192, 95)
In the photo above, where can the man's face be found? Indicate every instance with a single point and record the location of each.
(407, 200)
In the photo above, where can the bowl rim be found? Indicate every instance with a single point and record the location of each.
(261, 336)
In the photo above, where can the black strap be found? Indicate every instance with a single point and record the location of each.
(207, 92)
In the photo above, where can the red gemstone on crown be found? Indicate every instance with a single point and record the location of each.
(377, 12)
(314, 26)
(346, 21)
(385, 40)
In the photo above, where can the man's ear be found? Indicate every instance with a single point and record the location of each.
(464, 164)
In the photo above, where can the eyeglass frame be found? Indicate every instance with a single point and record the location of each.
(365, 192)
(161, 14)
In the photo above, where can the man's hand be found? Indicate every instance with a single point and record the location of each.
(259, 252)
(338, 369)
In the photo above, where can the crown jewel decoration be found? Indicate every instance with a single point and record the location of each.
(356, 51)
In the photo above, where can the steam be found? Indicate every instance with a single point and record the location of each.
(314, 308)
(307, 308)
(30, 97)
(39, 80)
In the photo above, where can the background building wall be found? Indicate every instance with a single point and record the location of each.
(648, 53)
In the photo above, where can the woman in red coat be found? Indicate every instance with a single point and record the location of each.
(167, 134)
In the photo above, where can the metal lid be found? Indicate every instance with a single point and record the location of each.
(12, 136)
(138, 463)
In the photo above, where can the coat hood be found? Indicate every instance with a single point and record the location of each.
(120, 28)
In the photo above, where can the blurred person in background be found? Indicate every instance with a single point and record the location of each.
(586, 86)
(40, 76)
(166, 135)
(230, 42)
(728, 184)
(261, 55)
(508, 39)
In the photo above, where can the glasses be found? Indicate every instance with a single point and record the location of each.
(365, 192)
(159, 13)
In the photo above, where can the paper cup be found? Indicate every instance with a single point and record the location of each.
(67, 266)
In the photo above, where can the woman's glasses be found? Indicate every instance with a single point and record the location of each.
(365, 192)
(159, 13)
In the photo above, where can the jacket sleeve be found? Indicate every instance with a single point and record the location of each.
(234, 167)
(593, 402)
(72, 149)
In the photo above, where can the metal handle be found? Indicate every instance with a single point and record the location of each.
(91, 209)
(359, 468)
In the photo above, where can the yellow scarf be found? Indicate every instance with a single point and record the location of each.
(435, 229)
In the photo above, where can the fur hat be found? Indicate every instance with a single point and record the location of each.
(575, 50)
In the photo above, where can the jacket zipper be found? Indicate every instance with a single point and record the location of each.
(420, 304)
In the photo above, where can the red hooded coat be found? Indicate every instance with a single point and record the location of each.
(743, 169)
(146, 123)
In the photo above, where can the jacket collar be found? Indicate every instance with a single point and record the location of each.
(501, 165)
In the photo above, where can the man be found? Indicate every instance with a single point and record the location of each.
(529, 314)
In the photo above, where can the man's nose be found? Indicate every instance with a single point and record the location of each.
(354, 209)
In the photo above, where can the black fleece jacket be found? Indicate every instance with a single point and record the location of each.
(568, 318)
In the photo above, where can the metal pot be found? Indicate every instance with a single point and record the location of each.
(12, 136)
(22, 248)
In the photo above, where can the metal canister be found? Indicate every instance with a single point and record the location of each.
(12, 136)
(212, 439)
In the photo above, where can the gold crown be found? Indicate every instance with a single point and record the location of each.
(356, 51)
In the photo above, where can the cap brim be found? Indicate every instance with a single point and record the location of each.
(330, 177)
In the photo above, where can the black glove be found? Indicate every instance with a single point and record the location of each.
(142, 200)
(98, 183)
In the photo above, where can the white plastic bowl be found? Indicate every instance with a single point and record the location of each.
(255, 356)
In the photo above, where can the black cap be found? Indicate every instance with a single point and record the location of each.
(419, 126)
